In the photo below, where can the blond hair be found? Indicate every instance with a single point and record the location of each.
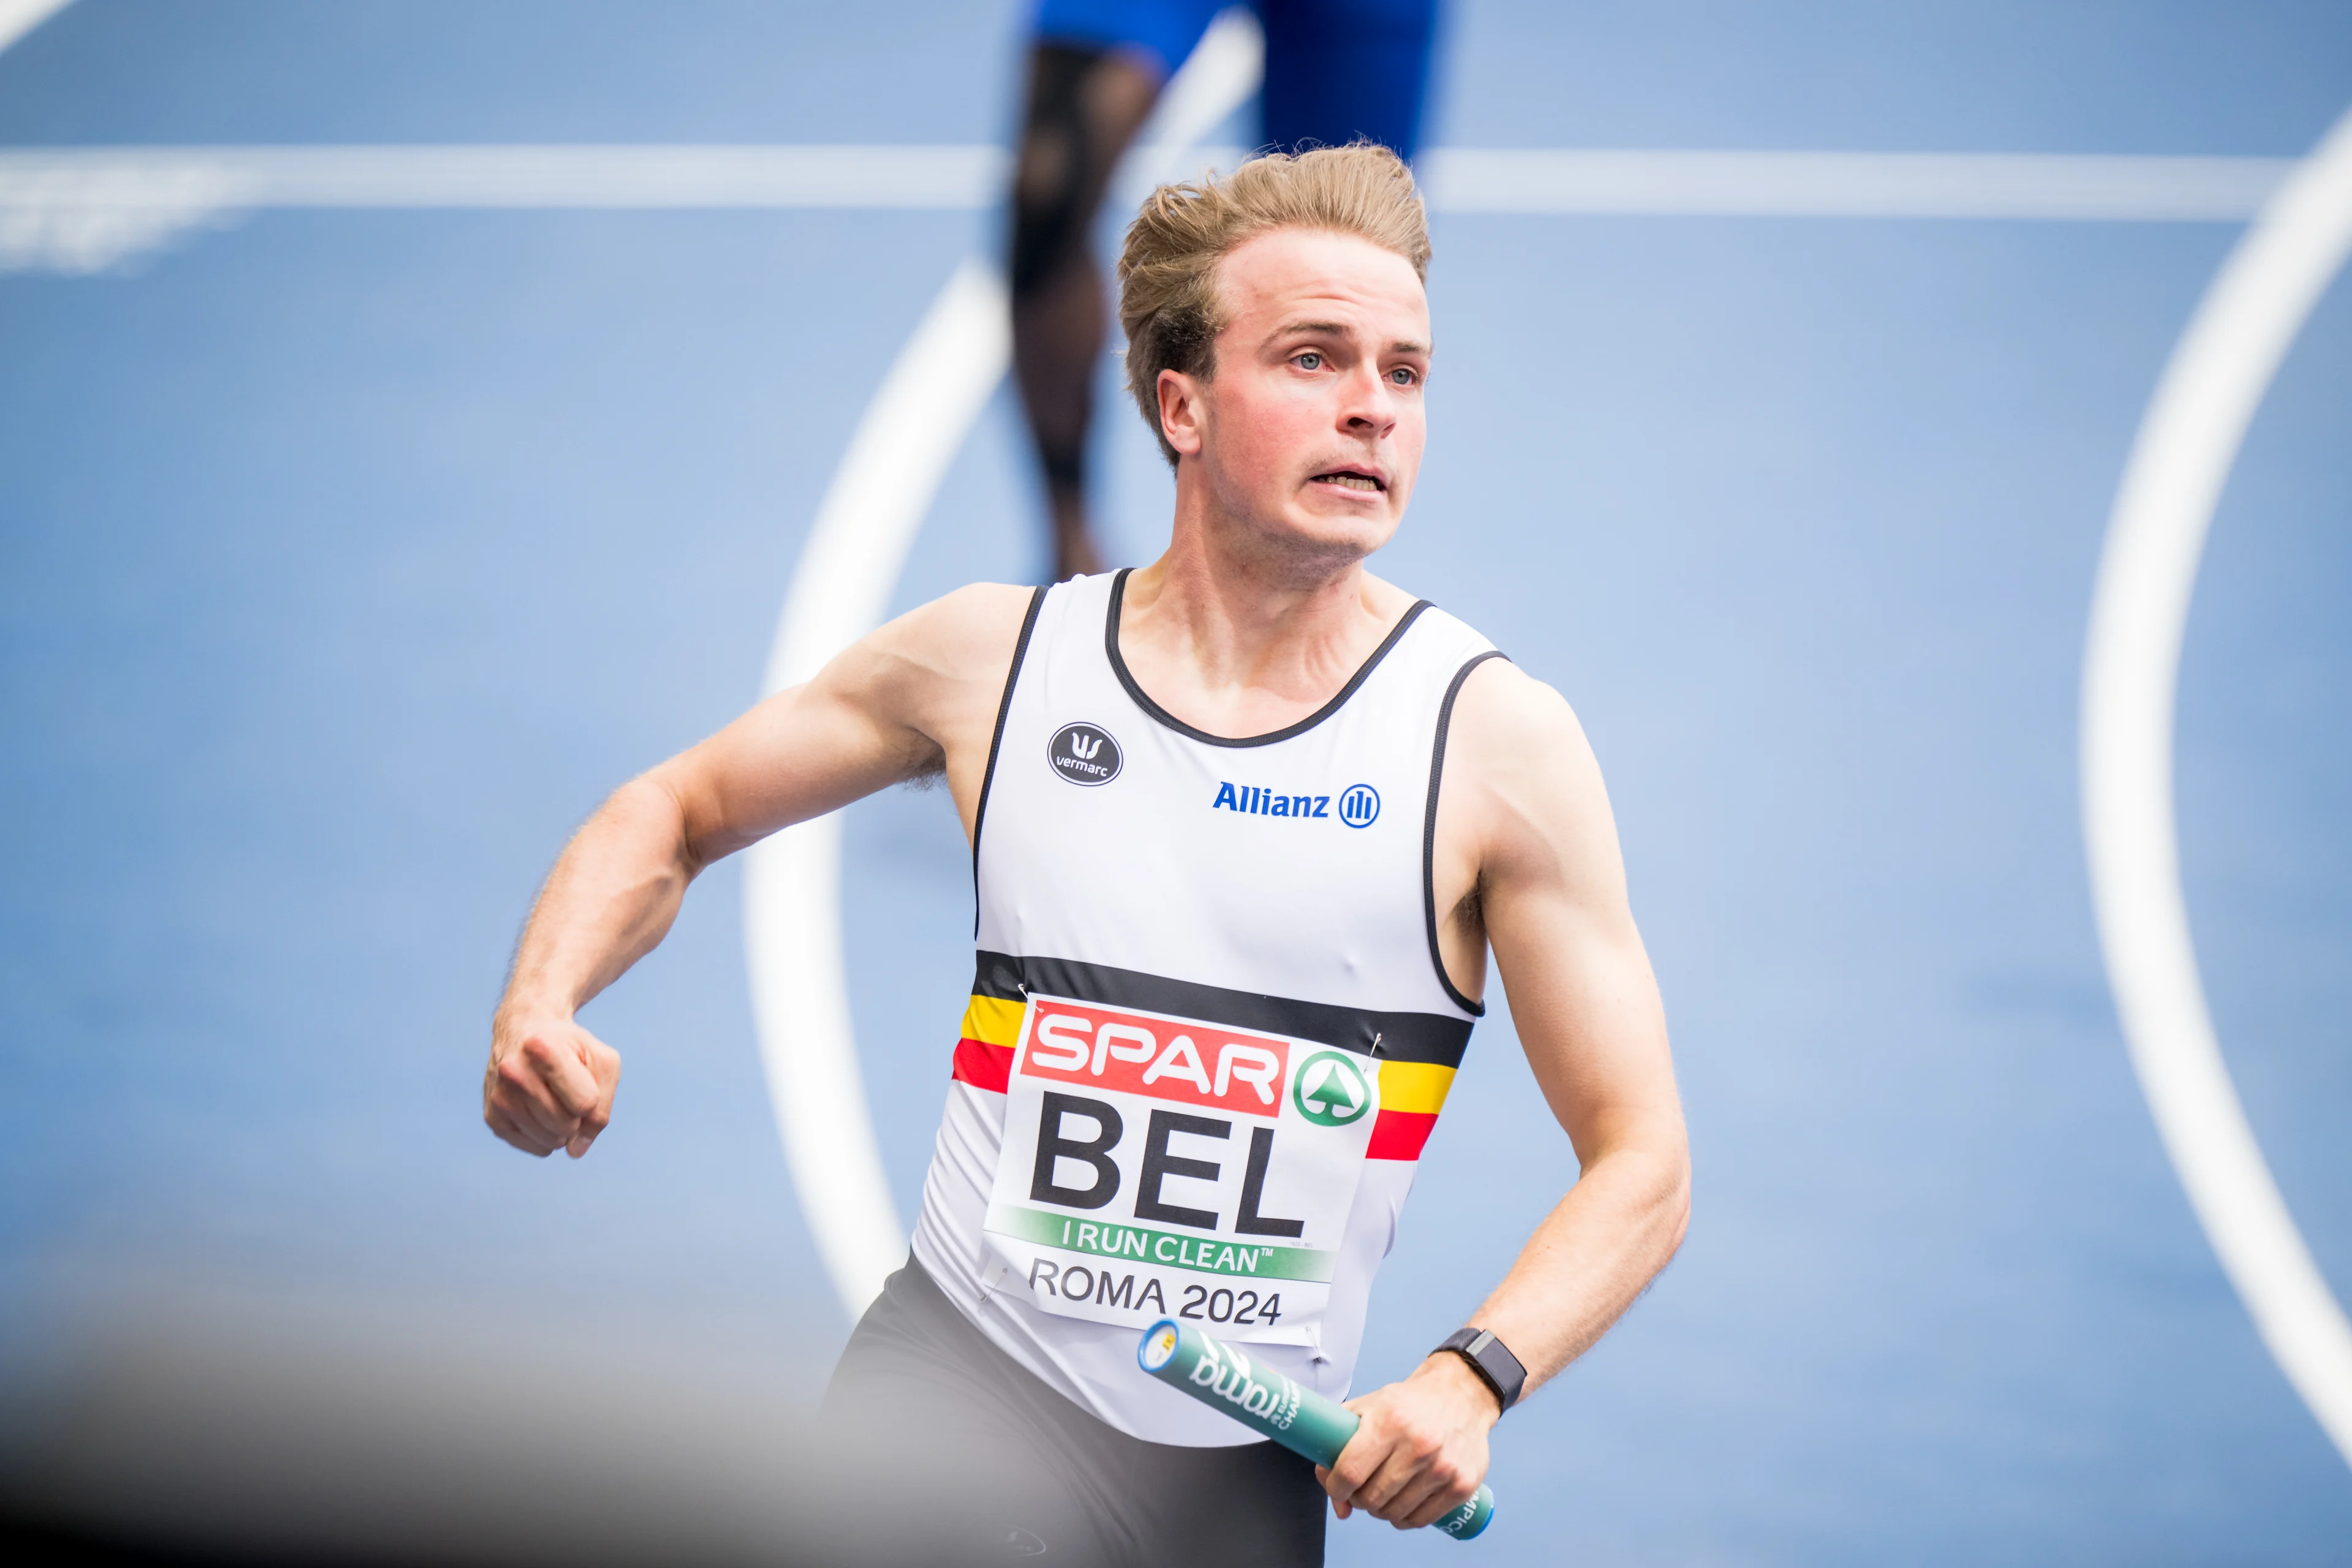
(1167, 270)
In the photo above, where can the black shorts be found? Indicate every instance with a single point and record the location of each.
(1037, 1476)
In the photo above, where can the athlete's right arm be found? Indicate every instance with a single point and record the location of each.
(917, 697)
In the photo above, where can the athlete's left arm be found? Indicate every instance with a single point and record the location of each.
(1526, 858)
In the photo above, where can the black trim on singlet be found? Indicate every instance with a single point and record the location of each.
(1119, 667)
(1429, 833)
(1390, 1036)
(996, 742)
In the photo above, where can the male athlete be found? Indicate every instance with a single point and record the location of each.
(1244, 823)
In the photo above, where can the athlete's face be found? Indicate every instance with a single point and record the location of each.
(1311, 428)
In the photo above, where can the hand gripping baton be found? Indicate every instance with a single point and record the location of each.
(1265, 1401)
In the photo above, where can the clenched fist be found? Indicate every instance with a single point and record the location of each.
(549, 1086)
(1420, 1451)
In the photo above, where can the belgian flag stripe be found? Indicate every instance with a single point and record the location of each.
(1399, 1134)
(983, 1057)
(983, 1066)
(994, 1021)
(1418, 1087)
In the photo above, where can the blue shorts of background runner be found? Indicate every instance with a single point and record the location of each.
(1335, 69)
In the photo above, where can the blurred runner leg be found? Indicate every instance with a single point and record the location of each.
(1095, 71)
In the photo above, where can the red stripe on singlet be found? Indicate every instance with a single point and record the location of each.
(984, 1065)
(1399, 1134)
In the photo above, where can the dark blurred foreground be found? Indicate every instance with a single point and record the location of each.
(268, 1436)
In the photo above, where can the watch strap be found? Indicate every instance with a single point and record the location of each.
(1492, 1359)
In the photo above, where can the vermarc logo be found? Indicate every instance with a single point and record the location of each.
(1085, 754)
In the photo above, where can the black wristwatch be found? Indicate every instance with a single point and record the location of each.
(1492, 1359)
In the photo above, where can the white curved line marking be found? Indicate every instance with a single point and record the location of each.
(792, 893)
(18, 17)
(840, 591)
(2187, 445)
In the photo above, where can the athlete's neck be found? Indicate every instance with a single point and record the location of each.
(1236, 643)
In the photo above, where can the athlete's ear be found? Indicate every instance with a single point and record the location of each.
(1180, 412)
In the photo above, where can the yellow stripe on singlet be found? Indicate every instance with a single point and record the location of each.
(1414, 1085)
(992, 1022)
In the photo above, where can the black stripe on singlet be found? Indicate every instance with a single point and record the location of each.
(1391, 1036)
(1429, 833)
(996, 742)
(1144, 701)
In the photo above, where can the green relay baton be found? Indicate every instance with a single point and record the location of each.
(1264, 1400)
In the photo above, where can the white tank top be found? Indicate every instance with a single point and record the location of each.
(1209, 1030)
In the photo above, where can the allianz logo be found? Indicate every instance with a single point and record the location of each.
(1358, 806)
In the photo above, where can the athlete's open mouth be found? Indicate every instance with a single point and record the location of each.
(1349, 479)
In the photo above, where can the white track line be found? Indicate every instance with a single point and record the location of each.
(791, 890)
(85, 209)
(519, 176)
(840, 591)
(2040, 185)
(18, 17)
(2187, 445)
(82, 209)
(1531, 180)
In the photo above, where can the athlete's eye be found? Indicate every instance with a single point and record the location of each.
(1310, 360)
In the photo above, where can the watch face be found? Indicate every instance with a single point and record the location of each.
(1491, 1361)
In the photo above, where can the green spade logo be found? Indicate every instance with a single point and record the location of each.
(1330, 1090)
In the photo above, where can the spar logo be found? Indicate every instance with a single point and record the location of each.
(1084, 755)
(1330, 1090)
(1139, 1052)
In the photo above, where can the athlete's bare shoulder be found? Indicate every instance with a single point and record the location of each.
(957, 630)
(1500, 696)
(981, 609)
(1526, 785)
(936, 652)
(940, 670)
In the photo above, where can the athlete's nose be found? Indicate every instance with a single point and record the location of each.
(1368, 405)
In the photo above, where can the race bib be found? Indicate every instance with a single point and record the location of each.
(1155, 1166)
